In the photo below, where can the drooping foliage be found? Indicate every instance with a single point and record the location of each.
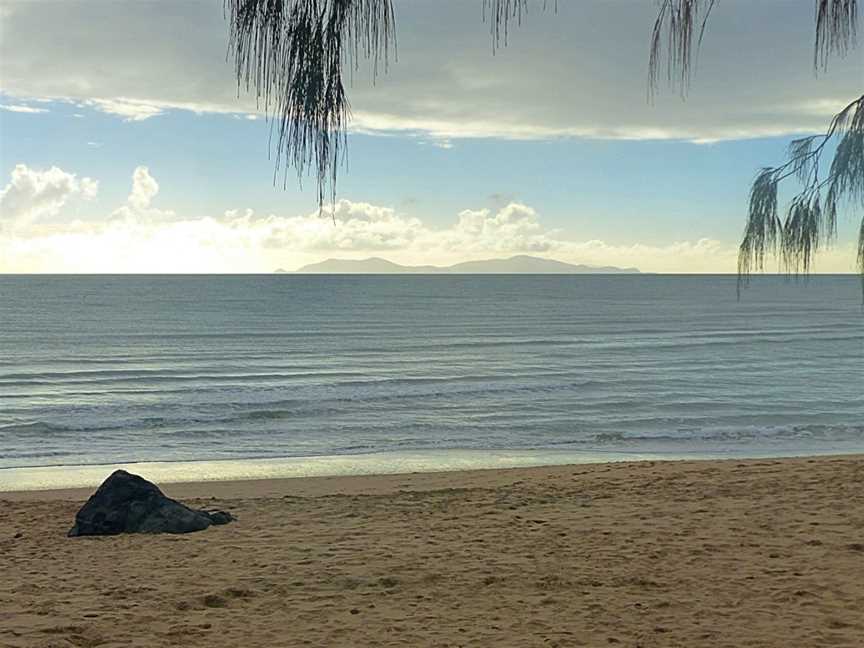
(500, 13)
(674, 35)
(292, 54)
(836, 29)
(810, 222)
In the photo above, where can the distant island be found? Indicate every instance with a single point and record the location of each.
(521, 264)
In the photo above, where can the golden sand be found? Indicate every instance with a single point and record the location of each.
(723, 553)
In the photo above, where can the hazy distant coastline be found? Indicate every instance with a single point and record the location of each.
(521, 264)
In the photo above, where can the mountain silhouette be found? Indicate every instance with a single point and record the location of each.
(521, 264)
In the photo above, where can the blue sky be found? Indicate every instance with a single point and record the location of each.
(456, 156)
(659, 189)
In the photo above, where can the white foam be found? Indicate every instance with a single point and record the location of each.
(385, 463)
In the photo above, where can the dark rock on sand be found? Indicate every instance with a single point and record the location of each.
(220, 517)
(127, 503)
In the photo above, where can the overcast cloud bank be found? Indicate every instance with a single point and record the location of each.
(561, 75)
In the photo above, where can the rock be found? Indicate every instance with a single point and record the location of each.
(220, 517)
(127, 503)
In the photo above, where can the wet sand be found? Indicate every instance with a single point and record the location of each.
(703, 553)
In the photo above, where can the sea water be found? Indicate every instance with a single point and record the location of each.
(118, 369)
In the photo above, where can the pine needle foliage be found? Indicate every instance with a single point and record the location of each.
(675, 37)
(811, 218)
(292, 53)
(500, 13)
(836, 29)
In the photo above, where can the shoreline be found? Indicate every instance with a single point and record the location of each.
(312, 486)
(16, 480)
(709, 554)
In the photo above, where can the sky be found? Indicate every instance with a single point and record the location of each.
(126, 146)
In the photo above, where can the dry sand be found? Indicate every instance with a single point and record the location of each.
(733, 553)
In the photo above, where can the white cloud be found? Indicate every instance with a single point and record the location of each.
(129, 109)
(138, 208)
(144, 188)
(514, 228)
(442, 143)
(136, 110)
(32, 194)
(17, 108)
(363, 228)
(137, 237)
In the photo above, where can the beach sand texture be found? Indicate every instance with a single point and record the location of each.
(722, 553)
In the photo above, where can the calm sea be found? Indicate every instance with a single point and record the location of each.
(114, 369)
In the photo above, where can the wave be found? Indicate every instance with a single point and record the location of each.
(159, 376)
(32, 428)
(771, 434)
(577, 405)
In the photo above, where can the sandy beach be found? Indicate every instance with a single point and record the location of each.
(702, 553)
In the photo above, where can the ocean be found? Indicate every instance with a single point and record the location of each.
(101, 370)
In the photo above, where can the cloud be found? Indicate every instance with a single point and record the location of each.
(136, 110)
(138, 207)
(580, 72)
(358, 227)
(16, 108)
(513, 228)
(138, 237)
(32, 194)
(129, 109)
(144, 188)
